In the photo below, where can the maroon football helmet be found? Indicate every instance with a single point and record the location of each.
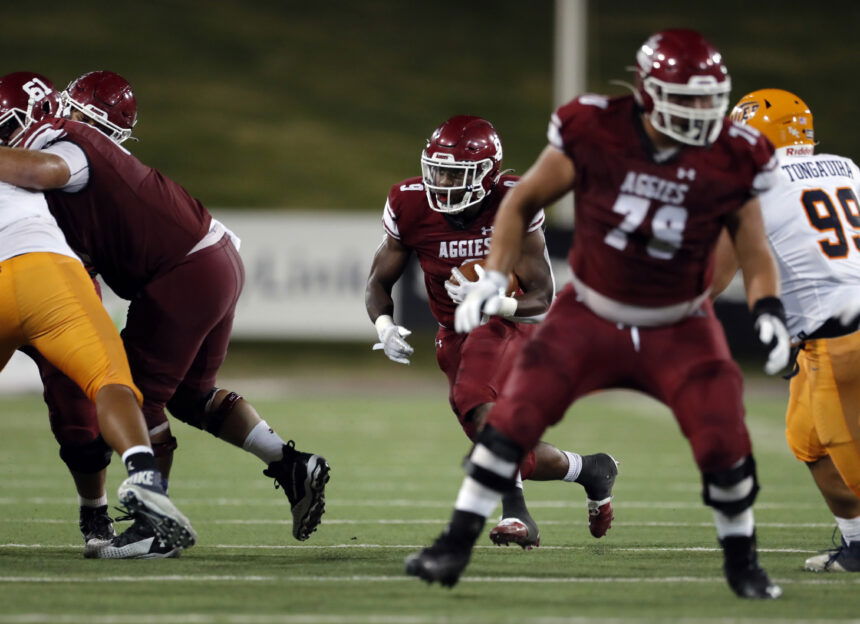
(682, 83)
(107, 99)
(25, 98)
(460, 163)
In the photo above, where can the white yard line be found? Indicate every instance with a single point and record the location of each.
(407, 502)
(18, 546)
(365, 578)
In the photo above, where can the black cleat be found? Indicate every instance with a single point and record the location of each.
(143, 497)
(743, 572)
(843, 558)
(598, 477)
(442, 563)
(136, 542)
(96, 526)
(303, 477)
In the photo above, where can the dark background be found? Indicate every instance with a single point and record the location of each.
(323, 105)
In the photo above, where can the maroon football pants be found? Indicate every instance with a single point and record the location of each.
(686, 365)
(176, 335)
(477, 365)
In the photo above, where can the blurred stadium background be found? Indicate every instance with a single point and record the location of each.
(290, 120)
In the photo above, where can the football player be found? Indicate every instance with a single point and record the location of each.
(446, 218)
(811, 216)
(157, 246)
(656, 176)
(47, 301)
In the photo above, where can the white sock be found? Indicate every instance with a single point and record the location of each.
(850, 528)
(477, 498)
(93, 502)
(574, 466)
(519, 480)
(739, 524)
(263, 442)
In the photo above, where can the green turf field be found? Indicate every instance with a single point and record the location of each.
(395, 471)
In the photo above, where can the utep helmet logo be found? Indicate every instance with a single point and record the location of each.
(36, 89)
(744, 112)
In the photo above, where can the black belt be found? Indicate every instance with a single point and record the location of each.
(831, 328)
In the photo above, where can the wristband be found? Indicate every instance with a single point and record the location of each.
(382, 322)
(769, 305)
(508, 307)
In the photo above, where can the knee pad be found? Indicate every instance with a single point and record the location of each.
(732, 490)
(166, 448)
(87, 458)
(497, 468)
(195, 409)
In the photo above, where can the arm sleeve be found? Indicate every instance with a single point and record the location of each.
(537, 221)
(76, 160)
(389, 221)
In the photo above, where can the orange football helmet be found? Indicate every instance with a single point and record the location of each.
(780, 115)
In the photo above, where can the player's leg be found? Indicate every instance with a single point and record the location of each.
(823, 430)
(549, 373)
(486, 361)
(176, 351)
(693, 373)
(75, 426)
(474, 363)
(63, 318)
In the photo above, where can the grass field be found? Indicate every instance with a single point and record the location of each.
(395, 470)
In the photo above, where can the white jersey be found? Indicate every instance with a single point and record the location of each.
(812, 218)
(26, 224)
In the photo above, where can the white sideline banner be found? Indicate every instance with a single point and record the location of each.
(305, 273)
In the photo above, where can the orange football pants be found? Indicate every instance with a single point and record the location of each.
(47, 300)
(823, 415)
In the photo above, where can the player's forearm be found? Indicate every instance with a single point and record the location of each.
(532, 304)
(378, 301)
(509, 229)
(32, 169)
(761, 278)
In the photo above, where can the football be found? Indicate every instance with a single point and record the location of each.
(469, 272)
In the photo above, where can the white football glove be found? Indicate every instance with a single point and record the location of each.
(486, 296)
(391, 340)
(457, 292)
(772, 333)
(850, 314)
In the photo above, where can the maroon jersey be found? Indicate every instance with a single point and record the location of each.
(645, 228)
(438, 240)
(130, 222)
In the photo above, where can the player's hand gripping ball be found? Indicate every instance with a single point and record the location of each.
(464, 277)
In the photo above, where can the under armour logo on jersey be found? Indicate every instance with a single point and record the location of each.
(689, 174)
(438, 343)
(486, 230)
